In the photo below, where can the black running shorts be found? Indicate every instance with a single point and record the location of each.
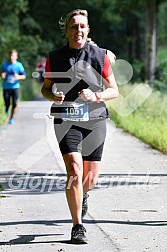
(86, 138)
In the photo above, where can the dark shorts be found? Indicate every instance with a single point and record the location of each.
(86, 138)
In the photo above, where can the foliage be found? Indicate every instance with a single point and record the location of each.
(160, 86)
(138, 71)
(19, 31)
(106, 13)
(2, 108)
(30, 89)
(148, 122)
(162, 23)
(162, 54)
(32, 28)
(160, 82)
(14, 7)
(32, 24)
(1, 188)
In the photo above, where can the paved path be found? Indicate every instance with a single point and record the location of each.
(127, 209)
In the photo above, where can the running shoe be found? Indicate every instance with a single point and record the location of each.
(11, 121)
(85, 204)
(78, 234)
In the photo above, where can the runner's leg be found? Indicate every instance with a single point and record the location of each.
(14, 95)
(6, 96)
(74, 189)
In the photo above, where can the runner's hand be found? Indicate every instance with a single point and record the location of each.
(87, 95)
(17, 76)
(59, 98)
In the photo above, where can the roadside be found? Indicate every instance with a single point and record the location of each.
(127, 209)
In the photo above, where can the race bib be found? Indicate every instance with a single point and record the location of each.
(72, 112)
(11, 78)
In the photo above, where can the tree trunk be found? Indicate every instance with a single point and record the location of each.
(137, 41)
(151, 40)
(134, 40)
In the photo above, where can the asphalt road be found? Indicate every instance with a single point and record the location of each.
(127, 209)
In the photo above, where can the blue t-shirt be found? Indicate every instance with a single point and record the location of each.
(10, 82)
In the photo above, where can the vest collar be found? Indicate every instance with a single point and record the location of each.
(73, 51)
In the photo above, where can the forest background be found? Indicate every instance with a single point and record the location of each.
(135, 30)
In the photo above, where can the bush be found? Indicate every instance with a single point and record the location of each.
(160, 82)
(1, 187)
(138, 71)
(2, 107)
(30, 89)
(148, 121)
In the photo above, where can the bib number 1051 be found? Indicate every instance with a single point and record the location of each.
(74, 111)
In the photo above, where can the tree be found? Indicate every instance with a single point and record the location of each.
(151, 40)
(128, 28)
(9, 23)
(152, 7)
(162, 23)
(16, 31)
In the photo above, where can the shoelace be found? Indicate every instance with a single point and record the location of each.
(85, 198)
(80, 230)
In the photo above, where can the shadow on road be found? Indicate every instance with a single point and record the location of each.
(29, 239)
(152, 223)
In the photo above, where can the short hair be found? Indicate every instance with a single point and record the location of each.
(63, 22)
(13, 51)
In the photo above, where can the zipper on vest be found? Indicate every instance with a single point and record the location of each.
(75, 63)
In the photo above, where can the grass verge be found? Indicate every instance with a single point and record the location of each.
(147, 122)
(2, 108)
(1, 189)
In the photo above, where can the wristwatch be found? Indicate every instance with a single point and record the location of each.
(98, 95)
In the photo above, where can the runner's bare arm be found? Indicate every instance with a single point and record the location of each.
(48, 94)
(47, 89)
(111, 90)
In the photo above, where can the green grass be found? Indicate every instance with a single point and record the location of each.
(148, 122)
(2, 108)
(1, 189)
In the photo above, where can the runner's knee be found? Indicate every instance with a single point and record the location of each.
(75, 169)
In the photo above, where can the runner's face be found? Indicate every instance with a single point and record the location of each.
(13, 57)
(77, 31)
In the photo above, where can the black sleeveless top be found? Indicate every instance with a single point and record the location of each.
(75, 69)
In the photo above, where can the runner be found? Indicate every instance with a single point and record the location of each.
(41, 69)
(12, 71)
(74, 80)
